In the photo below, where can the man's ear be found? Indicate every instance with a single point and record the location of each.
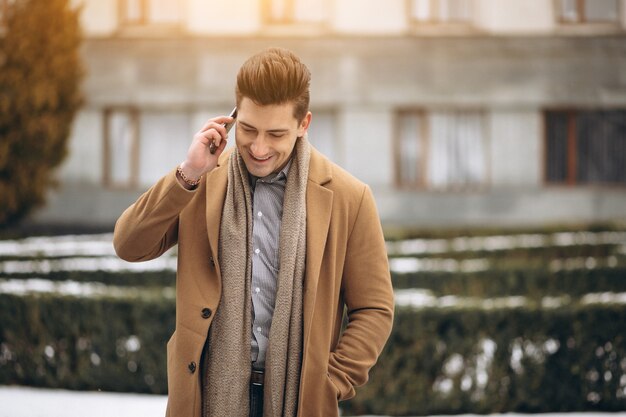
(304, 124)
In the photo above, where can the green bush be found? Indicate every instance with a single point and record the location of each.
(85, 343)
(533, 283)
(40, 72)
(540, 360)
(437, 360)
(165, 278)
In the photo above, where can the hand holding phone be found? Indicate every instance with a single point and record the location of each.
(233, 114)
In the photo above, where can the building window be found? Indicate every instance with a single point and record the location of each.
(286, 12)
(585, 11)
(585, 147)
(441, 150)
(121, 148)
(150, 12)
(440, 11)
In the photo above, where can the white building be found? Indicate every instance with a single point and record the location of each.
(456, 112)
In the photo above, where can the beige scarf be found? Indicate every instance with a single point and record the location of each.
(227, 363)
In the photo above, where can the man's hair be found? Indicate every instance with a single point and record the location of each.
(275, 76)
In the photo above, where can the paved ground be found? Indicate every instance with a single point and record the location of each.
(36, 402)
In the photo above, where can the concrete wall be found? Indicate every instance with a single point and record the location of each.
(366, 140)
(516, 148)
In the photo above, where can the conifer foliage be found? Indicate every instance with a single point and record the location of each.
(40, 75)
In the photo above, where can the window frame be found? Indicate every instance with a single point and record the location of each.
(268, 21)
(424, 183)
(572, 150)
(437, 20)
(143, 21)
(582, 19)
(107, 157)
(424, 142)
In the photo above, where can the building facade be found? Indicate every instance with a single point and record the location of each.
(456, 112)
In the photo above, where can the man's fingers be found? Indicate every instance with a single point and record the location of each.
(216, 121)
(212, 136)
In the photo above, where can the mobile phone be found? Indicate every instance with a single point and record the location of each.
(233, 114)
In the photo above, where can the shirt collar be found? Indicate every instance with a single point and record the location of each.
(280, 176)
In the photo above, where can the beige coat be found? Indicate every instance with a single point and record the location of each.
(346, 264)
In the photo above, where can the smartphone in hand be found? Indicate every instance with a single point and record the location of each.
(233, 114)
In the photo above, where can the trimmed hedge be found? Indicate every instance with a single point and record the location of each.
(534, 283)
(85, 343)
(543, 360)
(442, 232)
(438, 360)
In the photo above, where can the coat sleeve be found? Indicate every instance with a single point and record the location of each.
(149, 227)
(368, 295)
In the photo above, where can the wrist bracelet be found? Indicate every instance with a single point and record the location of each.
(191, 183)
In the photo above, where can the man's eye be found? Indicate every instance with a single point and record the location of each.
(277, 135)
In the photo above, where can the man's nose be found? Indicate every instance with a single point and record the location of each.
(259, 147)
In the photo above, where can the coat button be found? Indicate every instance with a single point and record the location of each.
(192, 367)
(212, 261)
(206, 313)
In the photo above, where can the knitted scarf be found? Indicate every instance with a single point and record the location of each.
(227, 363)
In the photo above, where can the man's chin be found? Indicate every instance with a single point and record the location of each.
(258, 172)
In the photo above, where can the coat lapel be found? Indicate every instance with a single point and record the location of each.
(319, 202)
(215, 194)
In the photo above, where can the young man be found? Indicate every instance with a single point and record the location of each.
(274, 242)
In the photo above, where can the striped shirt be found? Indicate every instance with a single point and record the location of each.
(267, 211)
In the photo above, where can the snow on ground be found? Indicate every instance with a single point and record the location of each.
(38, 402)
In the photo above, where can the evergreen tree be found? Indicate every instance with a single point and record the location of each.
(40, 74)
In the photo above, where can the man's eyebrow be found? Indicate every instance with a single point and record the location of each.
(248, 125)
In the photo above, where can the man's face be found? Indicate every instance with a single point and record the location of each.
(266, 135)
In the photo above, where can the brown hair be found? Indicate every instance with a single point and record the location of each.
(275, 76)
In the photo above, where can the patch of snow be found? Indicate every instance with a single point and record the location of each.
(94, 245)
(604, 298)
(40, 402)
(421, 298)
(36, 402)
(503, 242)
(108, 264)
(76, 289)
(411, 265)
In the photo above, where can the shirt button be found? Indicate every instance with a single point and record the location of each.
(258, 329)
(257, 251)
(257, 290)
(260, 214)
